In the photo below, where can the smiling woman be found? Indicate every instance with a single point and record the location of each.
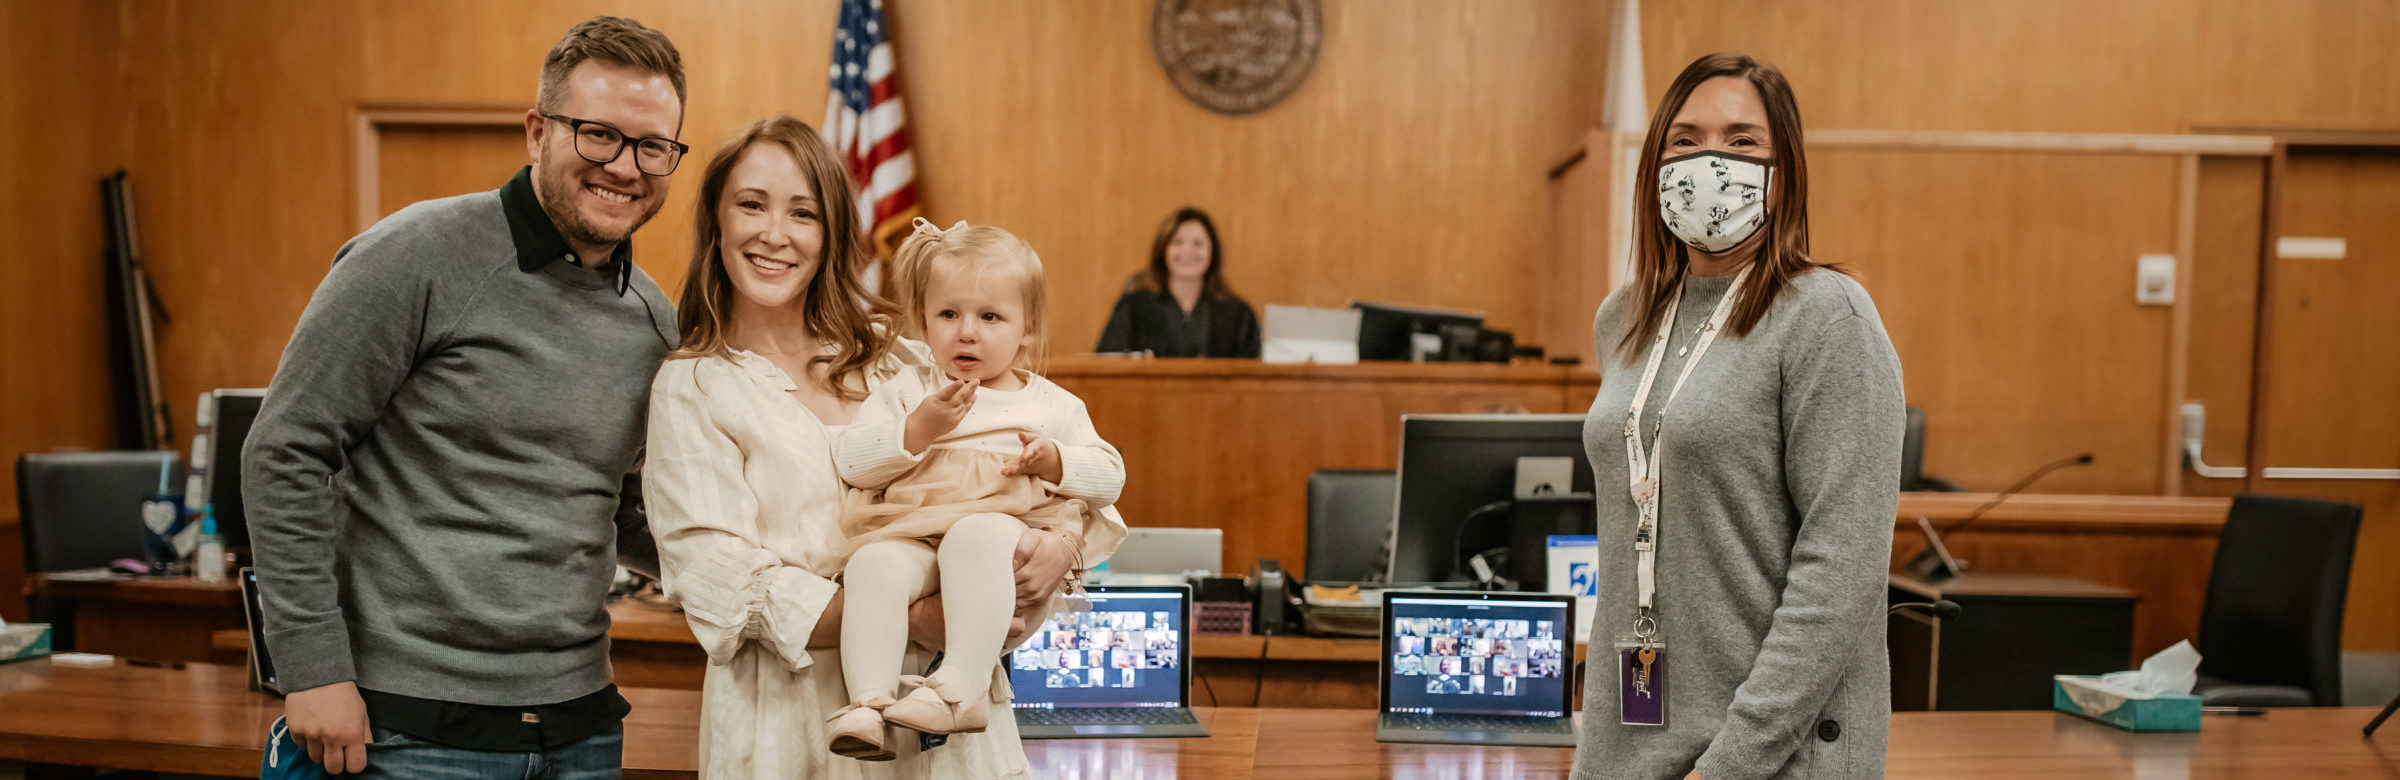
(1180, 304)
(760, 235)
(1772, 476)
(777, 356)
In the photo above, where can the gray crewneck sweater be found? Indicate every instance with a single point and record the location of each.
(442, 472)
(1778, 492)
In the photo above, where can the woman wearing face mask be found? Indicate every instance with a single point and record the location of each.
(1745, 435)
(1180, 305)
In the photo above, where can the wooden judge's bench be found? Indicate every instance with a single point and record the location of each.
(1230, 443)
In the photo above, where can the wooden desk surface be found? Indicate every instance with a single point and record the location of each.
(2157, 514)
(172, 591)
(2008, 585)
(199, 720)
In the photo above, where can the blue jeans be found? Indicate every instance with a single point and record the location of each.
(397, 756)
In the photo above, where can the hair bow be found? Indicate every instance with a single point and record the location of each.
(925, 227)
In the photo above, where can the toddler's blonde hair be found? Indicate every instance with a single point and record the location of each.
(975, 249)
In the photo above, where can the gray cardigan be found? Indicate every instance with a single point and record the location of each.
(1779, 489)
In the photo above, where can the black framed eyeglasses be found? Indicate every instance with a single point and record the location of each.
(602, 143)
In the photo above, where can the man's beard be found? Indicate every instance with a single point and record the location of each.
(557, 199)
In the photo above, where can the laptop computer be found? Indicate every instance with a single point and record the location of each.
(262, 667)
(1122, 669)
(1151, 550)
(1477, 668)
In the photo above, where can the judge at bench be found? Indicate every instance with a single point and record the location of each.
(1180, 305)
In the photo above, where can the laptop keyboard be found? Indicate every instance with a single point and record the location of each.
(1500, 723)
(1084, 716)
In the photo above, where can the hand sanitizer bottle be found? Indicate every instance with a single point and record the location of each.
(209, 562)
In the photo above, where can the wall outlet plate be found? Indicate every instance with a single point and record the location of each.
(2154, 280)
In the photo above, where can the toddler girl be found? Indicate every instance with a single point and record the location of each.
(964, 464)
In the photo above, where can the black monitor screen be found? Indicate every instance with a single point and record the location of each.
(228, 428)
(1477, 656)
(1127, 651)
(1452, 464)
(1384, 330)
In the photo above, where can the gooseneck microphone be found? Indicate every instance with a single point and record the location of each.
(1935, 561)
(2078, 460)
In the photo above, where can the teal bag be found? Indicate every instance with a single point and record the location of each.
(286, 759)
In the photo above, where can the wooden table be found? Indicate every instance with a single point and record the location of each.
(2160, 547)
(2013, 632)
(199, 720)
(171, 619)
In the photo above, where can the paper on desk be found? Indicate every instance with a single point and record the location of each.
(1346, 596)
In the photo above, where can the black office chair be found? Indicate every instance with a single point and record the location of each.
(1912, 458)
(1346, 508)
(2271, 630)
(80, 510)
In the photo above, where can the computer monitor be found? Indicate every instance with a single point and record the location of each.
(1453, 464)
(225, 417)
(1912, 449)
(1384, 330)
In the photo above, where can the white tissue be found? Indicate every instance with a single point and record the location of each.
(2172, 670)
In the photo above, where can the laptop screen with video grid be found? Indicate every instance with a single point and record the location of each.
(1472, 654)
(1126, 651)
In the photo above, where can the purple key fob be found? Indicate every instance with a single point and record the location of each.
(1642, 684)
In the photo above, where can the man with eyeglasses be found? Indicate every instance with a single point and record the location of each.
(445, 470)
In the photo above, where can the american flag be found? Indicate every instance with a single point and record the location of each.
(865, 125)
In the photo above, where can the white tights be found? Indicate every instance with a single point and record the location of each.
(973, 566)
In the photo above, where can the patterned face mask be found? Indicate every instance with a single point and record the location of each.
(1713, 200)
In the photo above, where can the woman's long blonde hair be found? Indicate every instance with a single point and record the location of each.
(931, 252)
(834, 299)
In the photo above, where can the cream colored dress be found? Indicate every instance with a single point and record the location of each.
(919, 496)
(744, 500)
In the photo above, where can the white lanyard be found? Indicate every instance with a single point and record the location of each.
(1641, 466)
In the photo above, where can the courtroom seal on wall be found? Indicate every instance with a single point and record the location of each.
(1237, 57)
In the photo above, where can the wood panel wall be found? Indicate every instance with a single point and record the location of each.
(54, 370)
(2336, 345)
(1427, 113)
(1408, 168)
(2007, 283)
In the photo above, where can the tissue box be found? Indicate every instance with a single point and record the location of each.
(20, 641)
(2090, 698)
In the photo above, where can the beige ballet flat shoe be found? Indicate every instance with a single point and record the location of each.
(859, 730)
(935, 708)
